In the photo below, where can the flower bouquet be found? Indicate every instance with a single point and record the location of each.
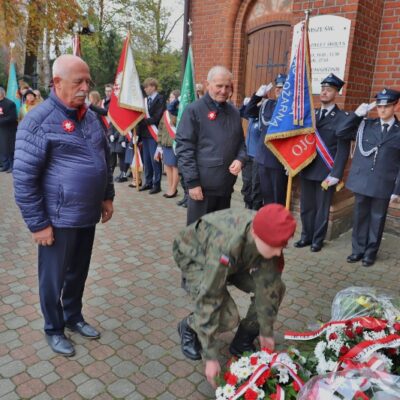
(364, 301)
(264, 375)
(361, 340)
(352, 384)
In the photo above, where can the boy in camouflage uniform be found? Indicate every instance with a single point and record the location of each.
(239, 247)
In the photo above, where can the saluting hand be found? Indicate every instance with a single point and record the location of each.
(212, 370)
(235, 167)
(45, 237)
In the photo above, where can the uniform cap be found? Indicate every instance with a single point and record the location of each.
(333, 80)
(274, 225)
(280, 80)
(387, 96)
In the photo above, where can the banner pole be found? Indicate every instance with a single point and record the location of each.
(135, 156)
(289, 191)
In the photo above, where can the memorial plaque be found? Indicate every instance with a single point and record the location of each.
(329, 39)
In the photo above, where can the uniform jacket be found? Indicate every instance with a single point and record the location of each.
(61, 177)
(379, 180)
(218, 247)
(156, 111)
(164, 138)
(264, 155)
(338, 148)
(206, 148)
(8, 125)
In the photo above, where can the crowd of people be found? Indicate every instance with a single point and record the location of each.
(206, 151)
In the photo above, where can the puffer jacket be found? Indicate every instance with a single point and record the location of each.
(61, 170)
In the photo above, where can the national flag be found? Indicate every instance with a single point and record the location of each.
(188, 90)
(127, 104)
(12, 86)
(290, 134)
(76, 45)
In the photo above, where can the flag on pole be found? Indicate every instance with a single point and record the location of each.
(12, 86)
(126, 105)
(188, 90)
(290, 134)
(76, 45)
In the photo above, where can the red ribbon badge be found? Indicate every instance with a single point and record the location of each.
(68, 126)
(212, 115)
(1, 111)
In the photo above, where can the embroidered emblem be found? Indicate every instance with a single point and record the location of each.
(68, 126)
(224, 260)
(212, 115)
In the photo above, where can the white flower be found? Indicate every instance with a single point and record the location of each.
(319, 350)
(228, 391)
(219, 394)
(374, 335)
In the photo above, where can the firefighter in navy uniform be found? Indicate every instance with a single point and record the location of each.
(375, 172)
(315, 198)
(273, 178)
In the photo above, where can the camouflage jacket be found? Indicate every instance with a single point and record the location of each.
(211, 251)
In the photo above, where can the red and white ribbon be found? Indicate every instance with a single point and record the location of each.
(153, 130)
(171, 129)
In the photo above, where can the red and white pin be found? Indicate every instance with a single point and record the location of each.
(68, 126)
(212, 115)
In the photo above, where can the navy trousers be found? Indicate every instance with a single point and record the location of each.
(152, 168)
(63, 269)
(369, 218)
(273, 184)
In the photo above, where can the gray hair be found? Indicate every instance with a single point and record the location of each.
(218, 70)
(62, 64)
(2, 91)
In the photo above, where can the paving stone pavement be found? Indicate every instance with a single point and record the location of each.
(133, 296)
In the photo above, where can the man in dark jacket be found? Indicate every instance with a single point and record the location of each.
(315, 198)
(375, 172)
(272, 175)
(210, 147)
(148, 132)
(63, 184)
(8, 127)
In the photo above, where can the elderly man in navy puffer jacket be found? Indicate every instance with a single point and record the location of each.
(63, 185)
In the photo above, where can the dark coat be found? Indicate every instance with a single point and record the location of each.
(8, 125)
(156, 112)
(264, 155)
(206, 148)
(379, 179)
(338, 148)
(61, 177)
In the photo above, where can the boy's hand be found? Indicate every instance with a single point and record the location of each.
(212, 370)
(267, 342)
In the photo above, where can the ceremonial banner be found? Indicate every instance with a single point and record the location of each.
(188, 90)
(127, 104)
(76, 45)
(12, 86)
(290, 134)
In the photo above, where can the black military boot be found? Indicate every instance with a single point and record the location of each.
(242, 342)
(190, 343)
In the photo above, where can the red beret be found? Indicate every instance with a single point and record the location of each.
(274, 225)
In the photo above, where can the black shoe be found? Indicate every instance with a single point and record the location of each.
(3, 169)
(368, 261)
(242, 342)
(85, 330)
(183, 201)
(155, 189)
(301, 243)
(170, 196)
(190, 344)
(120, 179)
(145, 187)
(9, 171)
(352, 258)
(184, 205)
(61, 345)
(316, 248)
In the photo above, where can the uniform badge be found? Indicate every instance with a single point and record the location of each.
(212, 115)
(224, 260)
(68, 126)
(1, 111)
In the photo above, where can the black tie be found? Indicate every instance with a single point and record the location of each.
(149, 101)
(385, 130)
(323, 113)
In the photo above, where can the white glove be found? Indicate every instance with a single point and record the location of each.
(246, 101)
(123, 144)
(112, 138)
(394, 198)
(364, 108)
(135, 139)
(330, 181)
(263, 90)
